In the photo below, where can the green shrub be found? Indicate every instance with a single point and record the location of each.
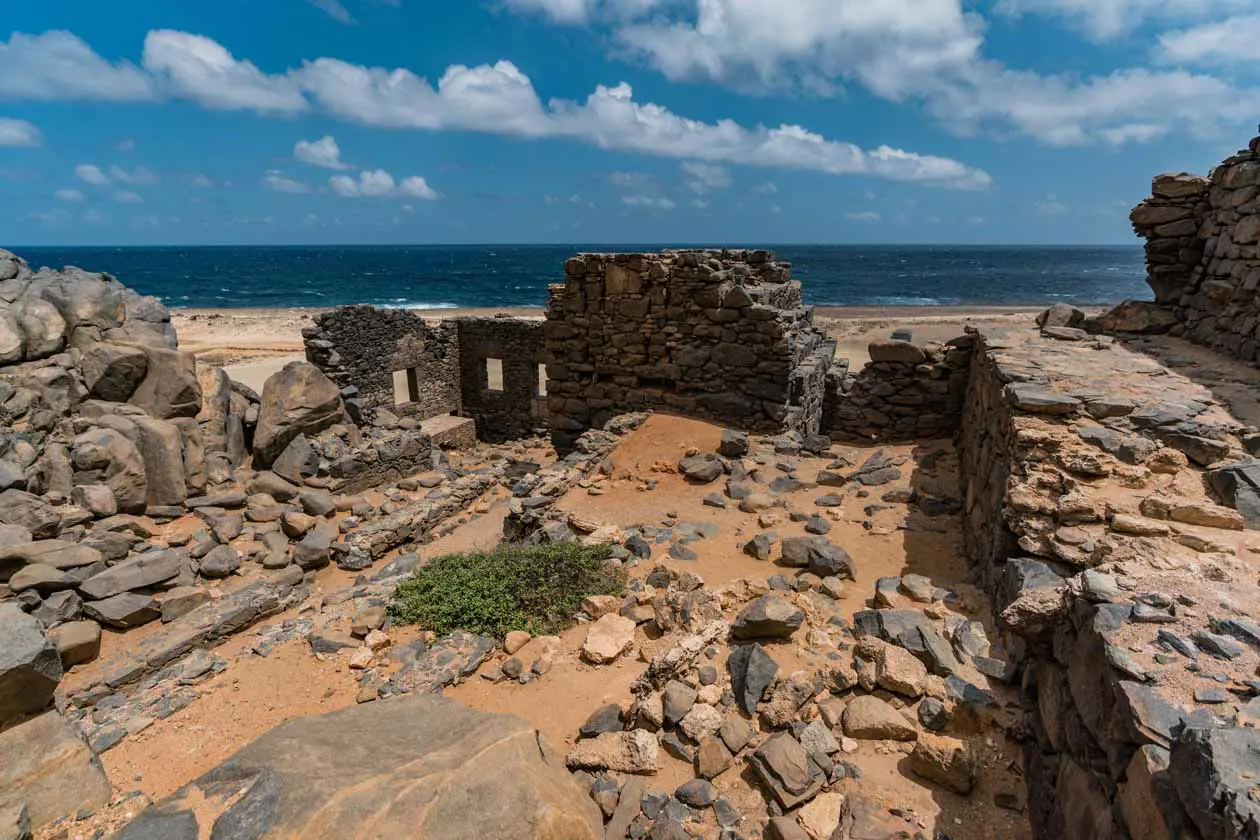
(514, 587)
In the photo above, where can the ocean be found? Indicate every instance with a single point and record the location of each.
(518, 275)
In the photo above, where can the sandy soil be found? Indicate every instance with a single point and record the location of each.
(255, 693)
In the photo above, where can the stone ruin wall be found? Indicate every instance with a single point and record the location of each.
(1127, 633)
(1203, 253)
(445, 365)
(907, 392)
(362, 347)
(719, 335)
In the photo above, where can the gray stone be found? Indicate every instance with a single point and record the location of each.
(1037, 400)
(50, 770)
(170, 387)
(1214, 771)
(496, 775)
(752, 672)
(124, 611)
(769, 617)
(113, 372)
(140, 571)
(221, 562)
(30, 667)
(25, 510)
(734, 444)
(784, 769)
(702, 469)
(299, 399)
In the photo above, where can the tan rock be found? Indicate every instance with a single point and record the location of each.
(48, 766)
(607, 639)
(408, 767)
(598, 606)
(621, 752)
(821, 817)
(700, 722)
(1124, 523)
(515, 640)
(868, 718)
(1206, 515)
(945, 761)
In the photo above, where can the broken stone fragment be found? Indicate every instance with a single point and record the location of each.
(608, 638)
(635, 751)
(769, 617)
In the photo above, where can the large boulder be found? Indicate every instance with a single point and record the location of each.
(1214, 771)
(48, 767)
(408, 767)
(1136, 316)
(84, 299)
(113, 372)
(44, 328)
(12, 339)
(107, 456)
(140, 571)
(170, 387)
(146, 321)
(17, 507)
(30, 666)
(298, 399)
(161, 447)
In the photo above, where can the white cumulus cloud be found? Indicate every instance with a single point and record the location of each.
(1235, 40)
(90, 174)
(279, 182)
(500, 99)
(128, 197)
(69, 196)
(703, 178)
(867, 216)
(651, 202)
(322, 152)
(378, 183)
(1106, 19)
(19, 133)
(199, 68)
(59, 65)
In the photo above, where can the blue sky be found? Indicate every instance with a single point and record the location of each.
(416, 121)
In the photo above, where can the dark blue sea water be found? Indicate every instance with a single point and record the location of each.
(518, 275)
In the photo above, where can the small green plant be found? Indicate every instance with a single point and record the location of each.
(514, 587)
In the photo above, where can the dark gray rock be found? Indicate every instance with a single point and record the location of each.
(124, 611)
(698, 793)
(752, 672)
(221, 562)
(1215, 772)
(769, 617)
(1238, 485)
(30, 667)
(1038, 400)
(140, 571)
(702, 469)
(604, 719)
(734, 444)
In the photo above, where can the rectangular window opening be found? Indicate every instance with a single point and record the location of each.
(494, 374)
(542, 381)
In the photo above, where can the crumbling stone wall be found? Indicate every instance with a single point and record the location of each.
(721, 335)
(363, 346)
(510, 410)
(1203, 252)
(1110, 587)
(384, 459)
(907, 392)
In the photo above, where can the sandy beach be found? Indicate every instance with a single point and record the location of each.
(253, 343)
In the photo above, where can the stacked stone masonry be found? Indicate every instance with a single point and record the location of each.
(721, 335)
(446, 366)
(907, 392)
(1203, 253)
(1118, 585)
